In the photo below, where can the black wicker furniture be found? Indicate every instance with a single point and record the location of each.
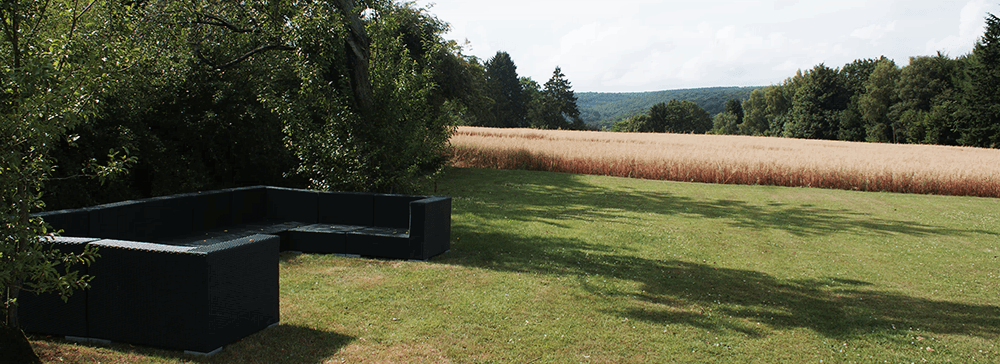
(198, 271)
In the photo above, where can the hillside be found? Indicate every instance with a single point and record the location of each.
(600, 110)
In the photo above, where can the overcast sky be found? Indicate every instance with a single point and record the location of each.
(635, 45)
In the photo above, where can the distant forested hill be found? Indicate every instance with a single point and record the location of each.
(601, 110)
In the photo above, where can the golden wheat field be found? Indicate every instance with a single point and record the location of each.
(904, 168)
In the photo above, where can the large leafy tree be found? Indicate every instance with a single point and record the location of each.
(927, 108)
(878, 96)
(674, 116)
(817, 104)
(728, 121)
(509, 109)
(755, 114)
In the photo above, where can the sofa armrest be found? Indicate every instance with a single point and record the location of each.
(47, 313)
(179, 297)
(430, 226)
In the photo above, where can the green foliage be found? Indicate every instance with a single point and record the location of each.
(819, 99)
(755, 118)
(49, 82)
(725, 123)
(878, 96)
(600, 110)
(982, 128)
(634, 124)
(553, 107)
(728, 122)
(503, 87)
(670, 117)
(926, 88)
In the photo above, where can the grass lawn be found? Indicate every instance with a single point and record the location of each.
(551, 267)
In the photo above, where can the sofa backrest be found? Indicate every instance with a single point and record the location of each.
(290, 204)
(393, 211)
(346, 208)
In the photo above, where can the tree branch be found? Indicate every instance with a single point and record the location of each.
(217, 21)
(237, 60)
(269, 47)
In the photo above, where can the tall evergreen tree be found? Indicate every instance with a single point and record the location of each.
(982, 129)
(504, 88)
(561, 109)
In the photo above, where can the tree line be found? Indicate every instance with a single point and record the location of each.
(600, 110)
(932, 100)
(506, 100)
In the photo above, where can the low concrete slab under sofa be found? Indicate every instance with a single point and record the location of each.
(198, 271)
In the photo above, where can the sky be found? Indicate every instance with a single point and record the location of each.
(636, 45)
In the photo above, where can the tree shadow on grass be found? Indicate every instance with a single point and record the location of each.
(277, 344)
(676, 291)
(549, 197)
(701, 295)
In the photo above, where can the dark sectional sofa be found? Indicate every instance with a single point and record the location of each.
(198, 271)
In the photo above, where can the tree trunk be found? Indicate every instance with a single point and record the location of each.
(15, 348)
(358, 56)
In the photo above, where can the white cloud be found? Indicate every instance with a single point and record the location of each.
(874, 32)
(639, 45)
(970, 26)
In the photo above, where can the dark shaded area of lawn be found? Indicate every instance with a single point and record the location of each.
(277, 344)
(675, 291)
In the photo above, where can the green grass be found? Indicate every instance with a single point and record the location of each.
(550, 267)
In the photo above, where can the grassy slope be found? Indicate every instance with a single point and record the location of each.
(570, 268)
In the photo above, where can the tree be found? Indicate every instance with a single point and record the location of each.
(982, 128)
(685, 117)
(658, 115)
(875, 102)
(534, 101)
(728, 121)
(779, 104)
(725, 123)
(755, 121)
(49, 77)
(817, 104)
(633, 124)
(927, 100)
(561, 111)
(504, 88)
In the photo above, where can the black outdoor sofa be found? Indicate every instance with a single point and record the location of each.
(198, 271)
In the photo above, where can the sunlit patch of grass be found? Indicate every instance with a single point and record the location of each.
(554, 267)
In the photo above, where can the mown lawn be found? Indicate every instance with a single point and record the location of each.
(551, 267)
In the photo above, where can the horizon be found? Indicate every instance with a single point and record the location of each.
(716, 43)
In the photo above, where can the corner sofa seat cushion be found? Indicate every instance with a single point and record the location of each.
(380, 242)
(232, 232)
(320, 238)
